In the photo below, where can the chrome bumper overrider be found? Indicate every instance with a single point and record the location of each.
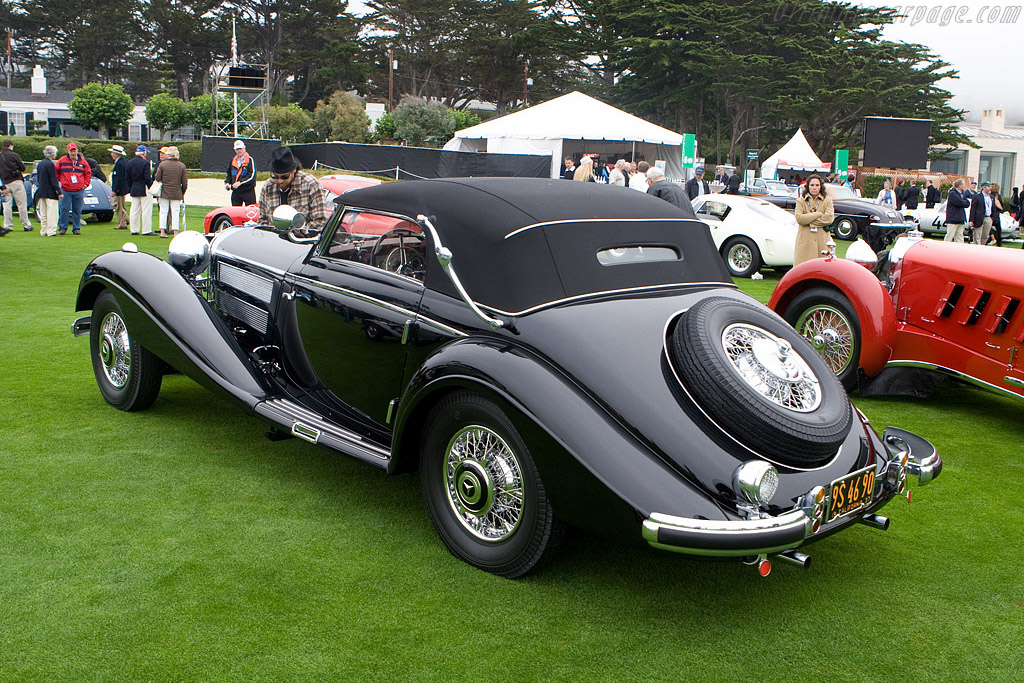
(767, 535)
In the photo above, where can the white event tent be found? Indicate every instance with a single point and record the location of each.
(572, 124)
(794, 156)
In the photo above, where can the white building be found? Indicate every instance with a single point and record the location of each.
(44, 110)
(997, 160)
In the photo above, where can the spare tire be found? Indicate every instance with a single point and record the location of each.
(760, 382)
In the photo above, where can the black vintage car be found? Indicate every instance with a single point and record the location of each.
(855, 216)
(544, 353)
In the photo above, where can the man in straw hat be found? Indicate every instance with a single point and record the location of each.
(119, 185)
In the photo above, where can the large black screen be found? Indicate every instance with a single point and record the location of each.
(896, 143)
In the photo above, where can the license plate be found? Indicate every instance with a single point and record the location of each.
(851, 493)
(91, 200)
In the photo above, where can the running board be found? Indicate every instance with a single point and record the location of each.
(305, 424)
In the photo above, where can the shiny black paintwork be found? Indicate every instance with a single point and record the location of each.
(618, 439)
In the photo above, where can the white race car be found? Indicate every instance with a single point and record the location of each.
(933, 221)
(748, 232)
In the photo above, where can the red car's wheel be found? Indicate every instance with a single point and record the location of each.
(220, 223)
(827, 319)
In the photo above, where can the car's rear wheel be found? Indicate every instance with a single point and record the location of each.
(128, 375)
(482, 489)
(220, 223)
(742, 257)
(845, 229)
(826, 319)
(103, 216)
(760, 382)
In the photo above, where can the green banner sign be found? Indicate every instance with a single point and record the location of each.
(842, 163)
(689, 151)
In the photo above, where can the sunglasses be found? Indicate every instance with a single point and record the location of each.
(281, 176)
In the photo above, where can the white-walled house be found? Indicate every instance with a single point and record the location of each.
(47, 109)
(997, 160)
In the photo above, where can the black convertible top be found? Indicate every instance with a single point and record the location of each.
(518, 243)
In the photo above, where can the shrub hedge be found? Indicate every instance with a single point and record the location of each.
(31, 148)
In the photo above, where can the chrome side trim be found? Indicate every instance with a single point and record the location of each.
(352, 294)
(594, 295)
(959, 375)
(81, 327)
(727, 538)
(599, 220)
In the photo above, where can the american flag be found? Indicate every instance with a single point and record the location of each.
(234, 44)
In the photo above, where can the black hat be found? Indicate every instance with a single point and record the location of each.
(282, 160)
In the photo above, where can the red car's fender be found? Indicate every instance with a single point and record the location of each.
(866, 294)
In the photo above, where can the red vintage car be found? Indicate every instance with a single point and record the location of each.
(928, 311)
(334, 185)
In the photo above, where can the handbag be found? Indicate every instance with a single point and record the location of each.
(156, 188)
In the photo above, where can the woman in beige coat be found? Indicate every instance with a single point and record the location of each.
(174, 181)
(814, 213)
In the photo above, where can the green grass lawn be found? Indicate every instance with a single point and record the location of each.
(179, 544)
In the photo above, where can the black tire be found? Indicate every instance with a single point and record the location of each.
(129, 376)
(825, 317)
(220, 223)
(741, 256)
(845, 228)
(799, 422)
(103, 216)
(470, 512)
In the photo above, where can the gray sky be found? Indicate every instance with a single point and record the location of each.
(979, 38)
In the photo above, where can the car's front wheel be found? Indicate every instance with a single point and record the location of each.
(845, 229)
(827, 319)
(220, 223)
(482, 489)
(129, 376)
(742, 257)
(103, 216)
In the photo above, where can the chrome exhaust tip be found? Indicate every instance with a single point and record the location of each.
(875, 521)
(793, 557)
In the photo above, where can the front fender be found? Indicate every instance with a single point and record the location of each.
(869, 298)
(170, 318)
(590, 464)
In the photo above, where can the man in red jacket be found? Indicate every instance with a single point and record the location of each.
(74, 175)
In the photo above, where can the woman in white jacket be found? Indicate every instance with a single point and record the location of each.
(887, 197)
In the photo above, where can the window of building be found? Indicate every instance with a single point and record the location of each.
(996, 168)
(954, 163)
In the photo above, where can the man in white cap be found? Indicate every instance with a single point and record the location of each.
(119, 185)
(241, 177)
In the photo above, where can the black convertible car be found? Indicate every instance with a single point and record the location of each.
(854, 216)
(544, 353)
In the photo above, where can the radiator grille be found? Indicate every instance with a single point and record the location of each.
(254, 285)
(233, 307)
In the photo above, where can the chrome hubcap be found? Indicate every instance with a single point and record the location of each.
(770, 366)
(740, 257)
(115, 350)
(484, 483)
(830, 333)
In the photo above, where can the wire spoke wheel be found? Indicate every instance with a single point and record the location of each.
(830, 333)
(484, 483)
(115, 350)
(770, 366)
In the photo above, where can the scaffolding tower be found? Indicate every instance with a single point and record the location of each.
(250, 96)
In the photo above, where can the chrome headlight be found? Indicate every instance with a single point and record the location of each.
(755, 481)
(862, 253)
(189, 253)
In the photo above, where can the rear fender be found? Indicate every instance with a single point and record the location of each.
(869, 298)
(169, 317)
(589, 463)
